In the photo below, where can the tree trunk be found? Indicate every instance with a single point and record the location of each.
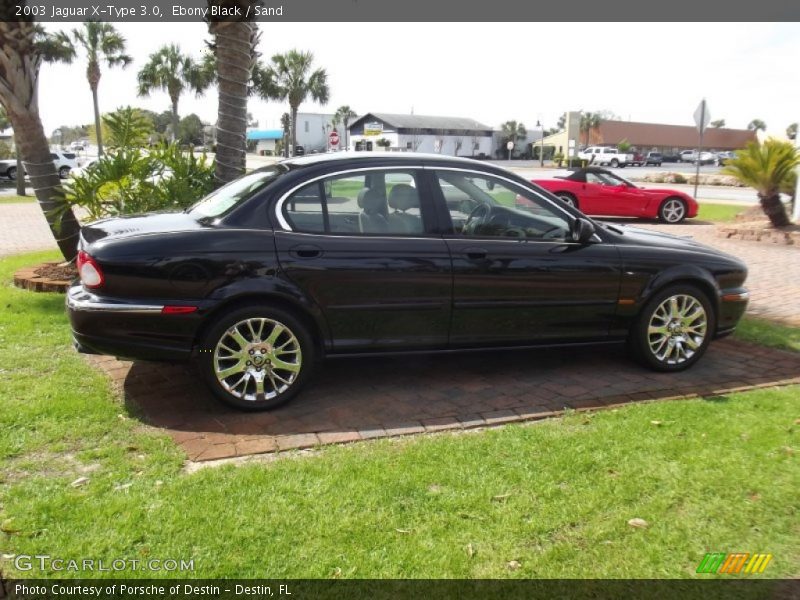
(35, 152)
(294, 128)
(19, 82)
(93, 75)
(774, 209)
(20, 175)
(235, 47)
(175, 119)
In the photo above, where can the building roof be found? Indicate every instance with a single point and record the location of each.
(678, 136)
(265, 134)
(423, 122)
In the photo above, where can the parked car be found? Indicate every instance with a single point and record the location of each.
(600, 192)
(653, 158)
(637, 160)
(64, 162)
(722, 158)
(601, 155)
(692, 156)
(299, 151)
(671, 158)
(77, 146)
(336, 255)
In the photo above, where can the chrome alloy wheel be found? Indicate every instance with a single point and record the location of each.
(673, 210)
(257, 359)
(677, 329)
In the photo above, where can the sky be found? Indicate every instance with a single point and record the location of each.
(490, 72)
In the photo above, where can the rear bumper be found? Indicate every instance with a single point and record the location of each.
(129, 329)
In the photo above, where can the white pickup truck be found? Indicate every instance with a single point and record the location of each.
(604, 155)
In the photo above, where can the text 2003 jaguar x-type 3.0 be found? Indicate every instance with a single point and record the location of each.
(355, 254)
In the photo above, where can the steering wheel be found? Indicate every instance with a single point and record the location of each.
(477, 217)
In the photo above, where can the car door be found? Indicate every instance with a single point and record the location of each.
(618, 197)
(517, 278)
(362, 245)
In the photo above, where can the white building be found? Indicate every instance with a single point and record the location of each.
(453, 136)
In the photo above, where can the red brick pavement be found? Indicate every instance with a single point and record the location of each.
(358, 399)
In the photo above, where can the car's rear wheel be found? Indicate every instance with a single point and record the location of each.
(672, 210)
(674, 328)
(568, 198)
(257, 358)
(614, 163)
(63, 172)
(12, 173)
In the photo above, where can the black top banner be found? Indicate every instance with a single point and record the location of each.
(401, 10)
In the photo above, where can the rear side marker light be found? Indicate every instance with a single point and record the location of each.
(89, 271)
(178, 310)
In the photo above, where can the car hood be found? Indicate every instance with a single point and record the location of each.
(134, 225)
(648, 237)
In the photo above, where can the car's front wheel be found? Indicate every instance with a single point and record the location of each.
(672, 210)
(568, 198)
(674, 328)
(63, 172)
(257, 358)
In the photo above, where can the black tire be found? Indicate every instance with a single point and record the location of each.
(568, 198)
(296, 334)
(642, 343)
(614, 163)
(63, 172)
(12, 173)
(672, 210)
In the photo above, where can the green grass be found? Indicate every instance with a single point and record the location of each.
(719, 213)
(15, 199)
(707, 475)
(767, 333)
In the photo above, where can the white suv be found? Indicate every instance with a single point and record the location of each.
(64, 162)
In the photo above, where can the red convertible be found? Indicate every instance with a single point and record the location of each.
(596, 191)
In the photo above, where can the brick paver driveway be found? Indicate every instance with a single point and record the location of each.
(361, 399)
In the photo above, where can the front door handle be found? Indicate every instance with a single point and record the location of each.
(476, 253)
(305, 251)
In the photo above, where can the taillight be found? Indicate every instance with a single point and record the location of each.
(90, 272)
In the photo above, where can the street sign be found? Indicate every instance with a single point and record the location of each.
(333, 138)
(702, 117)
(510, 146)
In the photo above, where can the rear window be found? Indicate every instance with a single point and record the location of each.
(224, 199)
(69, 155)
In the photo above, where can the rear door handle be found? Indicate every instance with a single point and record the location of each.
(305, 251)
(475, 253)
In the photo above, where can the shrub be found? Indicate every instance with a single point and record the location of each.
(678, 178)
(131, 181)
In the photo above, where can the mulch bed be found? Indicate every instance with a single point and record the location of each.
(46, 277)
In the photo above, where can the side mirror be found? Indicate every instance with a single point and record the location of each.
(581, 230)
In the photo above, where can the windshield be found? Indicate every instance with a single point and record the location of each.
(220, 201)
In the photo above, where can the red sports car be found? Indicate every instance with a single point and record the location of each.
(596, 191)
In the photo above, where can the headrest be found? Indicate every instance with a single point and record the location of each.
(371, 201)
(403, 197)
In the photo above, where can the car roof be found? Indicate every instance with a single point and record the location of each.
(366, 156)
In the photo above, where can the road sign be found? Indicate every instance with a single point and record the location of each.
(702, 117)
(333, 138)
(510, 146)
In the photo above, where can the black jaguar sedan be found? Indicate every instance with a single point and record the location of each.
(354, 254)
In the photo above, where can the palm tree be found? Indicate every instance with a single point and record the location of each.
(757, 125)
(23, 47)
(766, 167)
(292, 79)
(345, 115)
(173, 72)
(100, 41)
(286, 126)
(589, 122)
(513, 131)
(234, 61)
